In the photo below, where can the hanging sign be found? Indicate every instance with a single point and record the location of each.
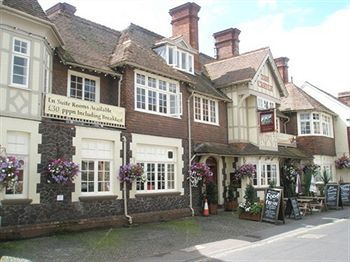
(267, 121)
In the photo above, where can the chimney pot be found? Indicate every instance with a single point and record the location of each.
(282, 65)
(227, 43)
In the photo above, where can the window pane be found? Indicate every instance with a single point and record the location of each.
(197, 108)
(161, 176)
(171, 56)
(150, 176)
(183, 60)
(103, 176)
(152, 100)
(205, 110)
(162, 103)
(171, 176)
(172, 88)
(140, 79)
(162, 85)
(141, 98)
(19, 70)
(87, 176)
(152, 82)
(190, 63)
(212, 111)
(90, 90)
(76, 87)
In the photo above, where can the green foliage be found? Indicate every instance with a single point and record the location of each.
(272, 184)
(250, 194)
(229, 193)
(212, 193)
(325, 177)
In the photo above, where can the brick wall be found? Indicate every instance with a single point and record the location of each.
(292, 125)
(108, 85)
(317, 145)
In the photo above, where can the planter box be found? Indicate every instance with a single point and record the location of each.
(249, 216)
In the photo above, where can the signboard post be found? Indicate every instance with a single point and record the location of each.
(293, 208)
(333, 197)
(345, 193)
(273, 210)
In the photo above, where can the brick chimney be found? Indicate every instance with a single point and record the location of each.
(184, 21)
(227, 43)
(282, 65)
(61, 7)
(344, 97)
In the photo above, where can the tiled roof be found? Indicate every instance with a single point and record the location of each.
(299, 100)
(135, 48)
(248, 149)
(86, 43)
(31, 7)
(236, 69)
(203, 85)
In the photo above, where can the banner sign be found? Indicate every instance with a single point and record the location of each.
(61, 107)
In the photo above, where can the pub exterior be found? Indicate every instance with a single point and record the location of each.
(102, 98)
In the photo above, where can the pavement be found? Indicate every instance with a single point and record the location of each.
(187, 239)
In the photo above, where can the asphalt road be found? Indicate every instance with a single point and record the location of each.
(216, 238)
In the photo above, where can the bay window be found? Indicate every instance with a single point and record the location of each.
(314, 123)
(157, 95)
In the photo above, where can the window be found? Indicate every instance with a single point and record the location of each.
(18, 145)
(315, 124)
(160, 177)
(82, 86)
(20, 62)
(177, 58)
(159, 164)
(265, 174)
(324, 170)
(205, 110)
(47, 71)
(158, 96)
(264, 104)
(96, 166)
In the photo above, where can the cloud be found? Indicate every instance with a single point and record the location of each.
(267, 3)
(318, 54)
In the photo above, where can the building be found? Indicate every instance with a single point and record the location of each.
(312, 123)
(341, 122)
(104, 98)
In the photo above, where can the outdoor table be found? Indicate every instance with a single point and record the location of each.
(317, 204)
(305, 205)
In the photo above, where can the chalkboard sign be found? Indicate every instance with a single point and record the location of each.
(345, 193)
(293, 208)
(333, 198)
(273, 205)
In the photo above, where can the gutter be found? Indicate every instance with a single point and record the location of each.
(124, 190)
(190, 148)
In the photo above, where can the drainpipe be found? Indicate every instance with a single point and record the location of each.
(190, 147)
(124, 191)
(119, 87)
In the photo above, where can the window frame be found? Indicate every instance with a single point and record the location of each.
(260, 102)
(25, 167)
(321, 121)
(84, 76)
(170, 107)
(262, 167)
(25, 56)
(95, 158)
(207, 110)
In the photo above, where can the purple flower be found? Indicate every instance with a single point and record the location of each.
(61, 171)
(131, 172)
(9, 170)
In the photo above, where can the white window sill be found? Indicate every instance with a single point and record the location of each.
(158, 193)
(205, 122)
(320, 135)
(156, 113)
(26, 88)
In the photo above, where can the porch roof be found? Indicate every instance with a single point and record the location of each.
(248, 149)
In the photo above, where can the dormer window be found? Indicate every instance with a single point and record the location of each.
(176, 57)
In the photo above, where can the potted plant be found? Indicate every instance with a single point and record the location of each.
(9, 170)
(211, 194)
(60, 171)
(230, 198)
(199, 172)
(250, 209)
(245, 170)
(130, 172)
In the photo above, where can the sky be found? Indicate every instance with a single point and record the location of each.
(313, 34)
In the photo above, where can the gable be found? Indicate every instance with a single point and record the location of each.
(268, 82)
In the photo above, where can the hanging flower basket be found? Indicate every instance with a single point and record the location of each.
(9, 170)
(199, 172)
(245, 170)
(131, 172)
(342, 162)
(59, 171)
